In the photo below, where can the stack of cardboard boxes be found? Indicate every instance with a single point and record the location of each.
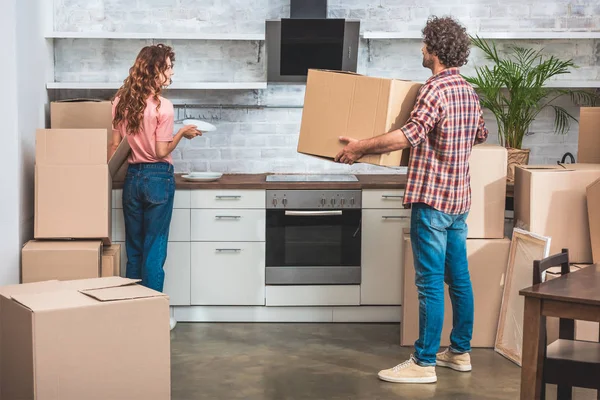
(344, 104)
(73, 196)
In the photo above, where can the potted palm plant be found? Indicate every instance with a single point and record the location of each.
(514, 89)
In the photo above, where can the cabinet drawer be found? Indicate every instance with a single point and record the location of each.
(228, 199)
(331, 295)
(377, 198)
(179, 230)
(226, 273)
(181, 200)
(229, 225)
(382, 256)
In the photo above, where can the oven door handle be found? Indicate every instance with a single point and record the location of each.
(312, 213)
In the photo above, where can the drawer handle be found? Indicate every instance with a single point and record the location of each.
(228, 217)
(228, 250)
(392, 196)
(228, 197)
(394, 217)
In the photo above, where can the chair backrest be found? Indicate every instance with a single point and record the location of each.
(566, 327)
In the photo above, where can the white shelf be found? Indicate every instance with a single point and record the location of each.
(160, 36)
(176, 86)
(574, 84)
(491, 35)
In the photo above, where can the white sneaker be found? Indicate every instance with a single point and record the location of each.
(409, 372)
(172, 322)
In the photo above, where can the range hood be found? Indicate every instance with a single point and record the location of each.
(307, 40)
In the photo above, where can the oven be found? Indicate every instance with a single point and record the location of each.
(313, 237)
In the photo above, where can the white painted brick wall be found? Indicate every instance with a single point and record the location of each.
(264, 140)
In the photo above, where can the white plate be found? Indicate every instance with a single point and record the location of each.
(200, 125)
(202, 176)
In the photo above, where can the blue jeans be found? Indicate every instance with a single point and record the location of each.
(148, 196)
(439, 244)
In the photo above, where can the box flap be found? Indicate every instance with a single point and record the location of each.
(80, 100)
(56, 300)
(71, 147)
(122, 293)
(334, 71)
(62, 245)
(99, 283)
(120, 156)
(35, 287)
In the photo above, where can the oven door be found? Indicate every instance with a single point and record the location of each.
(313, 247)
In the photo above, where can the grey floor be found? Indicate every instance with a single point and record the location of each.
(320, 361)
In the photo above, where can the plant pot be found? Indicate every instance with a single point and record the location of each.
(516, 157)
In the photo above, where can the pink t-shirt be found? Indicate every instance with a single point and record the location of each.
(156, 126)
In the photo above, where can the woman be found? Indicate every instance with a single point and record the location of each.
(146, 120)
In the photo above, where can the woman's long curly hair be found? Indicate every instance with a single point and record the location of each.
(447, 39)
(144, 80)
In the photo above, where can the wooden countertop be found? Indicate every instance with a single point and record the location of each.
(258, 181)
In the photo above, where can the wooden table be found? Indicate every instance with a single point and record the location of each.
(573, 296)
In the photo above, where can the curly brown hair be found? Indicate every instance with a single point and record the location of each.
(144, 80)
(448, 40)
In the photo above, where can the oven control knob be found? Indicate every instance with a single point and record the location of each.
(333, 202)
(323, 201)
(342, 201)
(352, 201)
(274, 202)
(284, 202)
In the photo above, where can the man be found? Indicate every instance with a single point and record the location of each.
(443, 127)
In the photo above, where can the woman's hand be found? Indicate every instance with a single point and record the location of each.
(190, 131)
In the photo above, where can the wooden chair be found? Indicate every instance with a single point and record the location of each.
(567, 362)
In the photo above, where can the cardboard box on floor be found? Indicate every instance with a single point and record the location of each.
(487, 264)
(593, 207)
(584, 330)
(111, 260)
(60, 260)
(347, 104)
(85, 114)
(81, 340)
(551, 201)
(588, 150)
(487, 167)
(73, 184)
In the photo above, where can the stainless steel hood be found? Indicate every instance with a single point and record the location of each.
(307, 40)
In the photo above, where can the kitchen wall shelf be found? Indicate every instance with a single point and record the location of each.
(174, 86)
(523, 35)
(158, 36)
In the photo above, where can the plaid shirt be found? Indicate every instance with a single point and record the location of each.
(443, 127)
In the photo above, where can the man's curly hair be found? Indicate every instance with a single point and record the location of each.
(447, 39)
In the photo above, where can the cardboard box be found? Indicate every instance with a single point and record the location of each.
(588, 150)
(551, 201)
(347, 104)
(593, 207)
(584, 330)
(60, 260)
(73, 184)
(487, 166)
(81, 340)
(111, 260)
(487, 264)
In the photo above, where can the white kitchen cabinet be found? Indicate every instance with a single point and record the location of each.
(313, 295)
(177, 272)
(228, 273)
(228, 225)
(382, 256)
(179, 230)
(377, 198)
(228, 198)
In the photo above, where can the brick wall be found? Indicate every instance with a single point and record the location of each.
(251, 138)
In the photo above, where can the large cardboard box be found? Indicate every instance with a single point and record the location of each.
(593, 206)
(589, 135)
(584, 330)
(111, 260)
(487, 166)
(551, 201)
(347, 104)
(73, 184)
(488, 259)
(60, 260)
(105, 338)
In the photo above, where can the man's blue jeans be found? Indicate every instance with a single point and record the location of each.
(148, 196)
(439, 244)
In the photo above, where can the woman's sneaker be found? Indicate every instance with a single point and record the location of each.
(172, 323)
(456, 361)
